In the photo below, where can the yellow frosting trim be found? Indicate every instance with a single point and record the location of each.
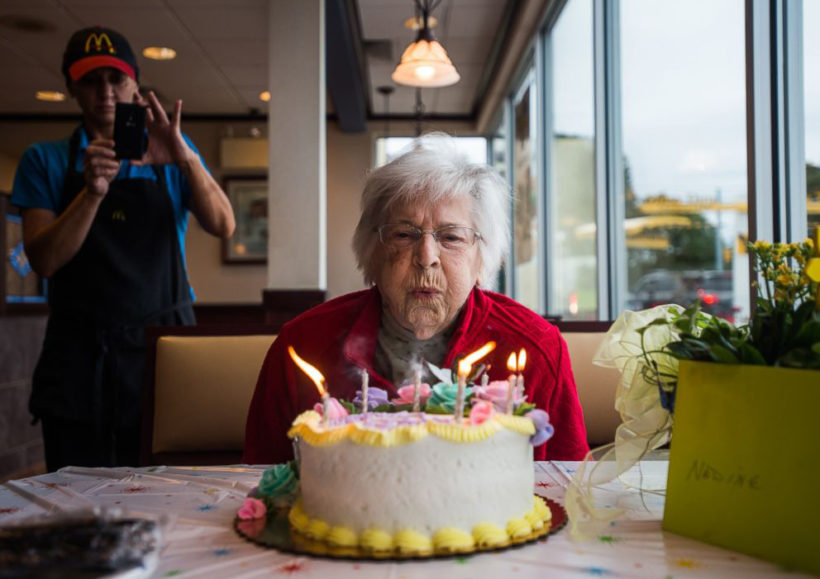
(536, 522)
(409, 541)
(317, 529)
(298, 518)
(376, 540)
(342, 537)
(489, 535)
(360, 434)
(464, 433)
(519, 424)
(453, 539)
(518, 528)
(309, 427)
(541, 508)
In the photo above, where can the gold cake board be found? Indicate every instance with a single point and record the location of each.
(275, 533)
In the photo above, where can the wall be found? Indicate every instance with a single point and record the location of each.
(349, 157)
(21, 445)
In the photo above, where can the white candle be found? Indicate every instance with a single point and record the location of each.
(522, 361)
(325, 407)
(365, 384)
(485, 379)
(464, 367)
(459, 406)
(512, 366)
(508, 406)
(417, 391)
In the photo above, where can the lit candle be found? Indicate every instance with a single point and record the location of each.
(485, 379)
(522, 361)
(511, 366)
(417, 391)
(317, 378)
(463, 370)
(365, 384)
(464, 366)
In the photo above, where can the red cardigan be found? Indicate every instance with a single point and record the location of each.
(339, 338)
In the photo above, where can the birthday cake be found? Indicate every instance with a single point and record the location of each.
(411, 480)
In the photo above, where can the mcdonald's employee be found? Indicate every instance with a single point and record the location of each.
(109, 236)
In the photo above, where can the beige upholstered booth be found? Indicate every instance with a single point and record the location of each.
(198, 388)
(596, 385)
(200, 379)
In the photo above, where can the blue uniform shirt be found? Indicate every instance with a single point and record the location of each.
(38, 182)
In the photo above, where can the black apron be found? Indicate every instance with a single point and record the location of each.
(127, 274)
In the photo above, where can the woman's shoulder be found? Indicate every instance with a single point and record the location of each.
(515, 314)
(518, 324)
(332, 312)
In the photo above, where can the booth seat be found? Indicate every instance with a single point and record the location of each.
(596, 386)
(200, 380)
(199, 386)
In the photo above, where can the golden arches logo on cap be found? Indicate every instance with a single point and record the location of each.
(99, 41)
(98, 47)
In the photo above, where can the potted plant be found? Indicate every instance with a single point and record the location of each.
(741, 401)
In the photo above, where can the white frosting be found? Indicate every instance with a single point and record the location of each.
(425, 485)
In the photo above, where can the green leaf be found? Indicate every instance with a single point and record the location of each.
(750, 355)
(523, 408)
(723, 355)
(437, 410)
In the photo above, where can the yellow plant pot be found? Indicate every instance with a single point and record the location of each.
(744, 470)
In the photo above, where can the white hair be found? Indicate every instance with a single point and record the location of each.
(430, 172)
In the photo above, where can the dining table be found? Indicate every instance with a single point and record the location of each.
(195, 509)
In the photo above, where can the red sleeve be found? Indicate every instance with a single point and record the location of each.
(566, 415)
(271, 412)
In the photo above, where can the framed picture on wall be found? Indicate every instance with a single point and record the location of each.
(21, 289)
(249, 198)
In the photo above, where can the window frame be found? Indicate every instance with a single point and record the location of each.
(775, 145)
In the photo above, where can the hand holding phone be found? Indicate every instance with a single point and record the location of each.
(130, 138)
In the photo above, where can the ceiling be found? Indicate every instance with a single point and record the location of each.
(222, 49)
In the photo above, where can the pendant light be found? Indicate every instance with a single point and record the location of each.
(425, 62)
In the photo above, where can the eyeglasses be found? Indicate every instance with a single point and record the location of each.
(402, 236)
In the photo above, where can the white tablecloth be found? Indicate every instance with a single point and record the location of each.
(201, 503)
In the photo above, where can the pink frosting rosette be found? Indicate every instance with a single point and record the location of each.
(252, 509)
(406, 394)
(496, 393)
(480, 412)
(334, 409)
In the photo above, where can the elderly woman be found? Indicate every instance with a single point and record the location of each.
(433, 229)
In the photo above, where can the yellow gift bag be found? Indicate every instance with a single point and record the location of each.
(744, 469)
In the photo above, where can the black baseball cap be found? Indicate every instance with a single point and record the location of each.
(98, 47)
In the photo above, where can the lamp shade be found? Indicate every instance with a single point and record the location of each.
(425, 64)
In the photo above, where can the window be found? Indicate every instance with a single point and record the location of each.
(633, 183)
(388, 148)
(526, 267)
(684, 147)
(572, 212)
(811, 83)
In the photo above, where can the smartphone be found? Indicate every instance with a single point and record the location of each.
(130, 138)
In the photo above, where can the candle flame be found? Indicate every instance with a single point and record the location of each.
(467, 362)
(511, 364)
(522, 359)
(312, 372)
